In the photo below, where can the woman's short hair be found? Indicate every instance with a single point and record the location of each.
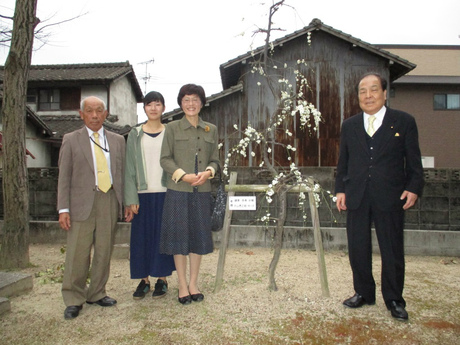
(191, 89)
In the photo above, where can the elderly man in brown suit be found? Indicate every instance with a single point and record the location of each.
(90, 189)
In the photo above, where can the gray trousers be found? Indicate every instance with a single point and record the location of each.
(97, 235)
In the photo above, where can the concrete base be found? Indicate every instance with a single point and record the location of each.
(13, 284)
(120, 251)
(417, 242)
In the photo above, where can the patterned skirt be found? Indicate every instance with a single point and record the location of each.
(186, 226)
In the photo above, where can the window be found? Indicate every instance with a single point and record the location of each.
(49, 99)
(450, 101)
(32, 96)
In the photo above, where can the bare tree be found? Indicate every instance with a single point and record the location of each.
(14, 249)
(42, 33)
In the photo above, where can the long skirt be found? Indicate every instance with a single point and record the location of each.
(145, 257)
(186, 224)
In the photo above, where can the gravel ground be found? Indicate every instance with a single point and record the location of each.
(244, 311)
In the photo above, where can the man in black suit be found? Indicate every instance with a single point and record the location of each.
(379, 176)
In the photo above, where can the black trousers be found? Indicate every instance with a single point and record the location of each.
(389, 227)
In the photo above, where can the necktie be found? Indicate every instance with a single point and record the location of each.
(103, 177)
(370, 127)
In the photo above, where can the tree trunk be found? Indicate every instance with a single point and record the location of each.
(279, 230)
(14, 249)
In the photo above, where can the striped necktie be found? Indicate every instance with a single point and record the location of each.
(370, 127)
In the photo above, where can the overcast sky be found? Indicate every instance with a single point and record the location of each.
(189, 40)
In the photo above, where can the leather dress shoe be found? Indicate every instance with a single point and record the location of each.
(357, 301)
(398, 311)
(104, 302)
(72, 311)
(185, 300)
(197, 297)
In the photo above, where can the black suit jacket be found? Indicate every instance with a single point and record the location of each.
(396, 165)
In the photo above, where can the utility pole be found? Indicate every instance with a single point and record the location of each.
(147, 76)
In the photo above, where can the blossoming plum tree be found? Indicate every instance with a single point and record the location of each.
(291, 102)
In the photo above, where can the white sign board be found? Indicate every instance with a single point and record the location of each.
(242, 203)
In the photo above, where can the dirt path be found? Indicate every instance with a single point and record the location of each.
(244, 311)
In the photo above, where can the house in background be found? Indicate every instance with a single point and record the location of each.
(335, 61)
(431, 93)
(55, 91)
(38, 139)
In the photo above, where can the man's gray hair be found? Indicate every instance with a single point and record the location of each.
(82, 103)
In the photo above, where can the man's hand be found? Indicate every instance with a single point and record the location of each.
(411, 198)
(64, 220)
(340, 202)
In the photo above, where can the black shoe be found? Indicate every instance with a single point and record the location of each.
(72, 311)
(197, 297)
(142, 289)
(357, 301)
(161, 288)
(185, 300)
(104, 302)
(398, 311)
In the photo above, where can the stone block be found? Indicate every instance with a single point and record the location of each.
(120, 251)
(250, 236)
(435, 189)
(15, 284)
(434, 218)
(306, 239)
(434, 203)
(290, 237)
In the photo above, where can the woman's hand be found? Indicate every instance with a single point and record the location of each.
(197, 180)
(130, 211)
(202, 177)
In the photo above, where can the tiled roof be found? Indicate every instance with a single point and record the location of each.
(231, 71)
(64, 124)
(91, 72)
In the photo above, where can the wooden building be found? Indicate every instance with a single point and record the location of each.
(335, 62)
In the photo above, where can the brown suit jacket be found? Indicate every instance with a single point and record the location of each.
(76, 183)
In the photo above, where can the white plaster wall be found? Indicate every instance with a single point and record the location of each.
(123, 102)
(36, 145)
(39, 147)
(94, 90)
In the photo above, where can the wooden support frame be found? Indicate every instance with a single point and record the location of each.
(232, 187)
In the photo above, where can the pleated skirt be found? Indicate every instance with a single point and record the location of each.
(145, 257)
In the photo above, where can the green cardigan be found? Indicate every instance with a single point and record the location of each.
(135, 170)
(181, 143)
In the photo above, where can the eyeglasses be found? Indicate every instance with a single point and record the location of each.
(191, 100)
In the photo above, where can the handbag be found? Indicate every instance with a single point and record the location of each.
(219, 204)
